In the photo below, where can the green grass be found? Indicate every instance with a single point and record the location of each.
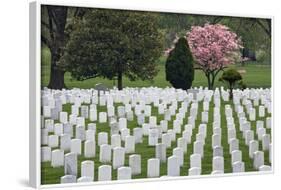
(256, 76)
(51, 175)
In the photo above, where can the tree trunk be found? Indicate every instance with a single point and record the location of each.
(231, 91)
(209, 81)
(119, 79)
(57, 22)
(213, 81)
(57, 75)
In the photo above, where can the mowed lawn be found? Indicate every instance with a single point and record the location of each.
(50, 175)
(255, 76)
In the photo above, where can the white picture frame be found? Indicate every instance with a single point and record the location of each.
(35, 86)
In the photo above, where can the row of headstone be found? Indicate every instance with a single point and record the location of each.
(159, 135)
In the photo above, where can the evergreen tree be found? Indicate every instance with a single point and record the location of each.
(179, 66)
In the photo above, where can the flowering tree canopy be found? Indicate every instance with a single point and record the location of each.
(213, 47)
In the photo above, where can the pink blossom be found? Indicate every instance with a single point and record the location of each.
(213, 46)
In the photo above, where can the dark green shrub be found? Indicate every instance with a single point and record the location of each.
(179, 66)
(232, 77)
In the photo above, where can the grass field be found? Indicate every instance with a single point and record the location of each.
(51, 175)
(255, 76)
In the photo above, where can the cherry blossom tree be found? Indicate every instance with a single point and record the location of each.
(213, 47)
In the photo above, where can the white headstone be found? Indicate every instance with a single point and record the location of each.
(187, 136)
(65, 142)
(233, 145)
(205, 117)
(236, 156)
(164, 125)
(238, 167)
(70, 164)
(105, 153)
(268, 122)
(252, 114)
(104, 173)
(90, 135)
(218, 163)
(46, 154)
(160, 152)
(265, 141)
(89, 149)
(130, 144)
(102, 138)
(57, 158)
(177, 126)
(102, 117)
(121, 111)
(68, 179)
(180, 154)
(253, 147)
(122, 123)
(80, 133)
(68, 129)
(118, 157)
(58, 129)
(216, 140)
(194, 171)
(124, 173)
(93, 115)
(231, 134)
(198, 148)
(166, 139)
(265, 168)
(249, 136)
(115, 141)
(261, 132)
(137, 133)
(87, 169)
(217, 151)
(195, 161)
(173, 166)
(261, 111)
(147, 110)
(53, 141)
(181, 143)
(140, 119)
(124, 132)
(63, 117)
(135, 163)
(258, 159)
(153, 167)
(75, 146)
(84, 179)
(153, 137)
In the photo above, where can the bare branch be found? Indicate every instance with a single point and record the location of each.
(267, 30)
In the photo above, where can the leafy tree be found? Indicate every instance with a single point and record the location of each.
(213, 47)
(113, 44)
(232, 77)
(55, 27)
(179, 65)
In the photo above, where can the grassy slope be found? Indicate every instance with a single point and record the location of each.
(52, 175)
(256, 76)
